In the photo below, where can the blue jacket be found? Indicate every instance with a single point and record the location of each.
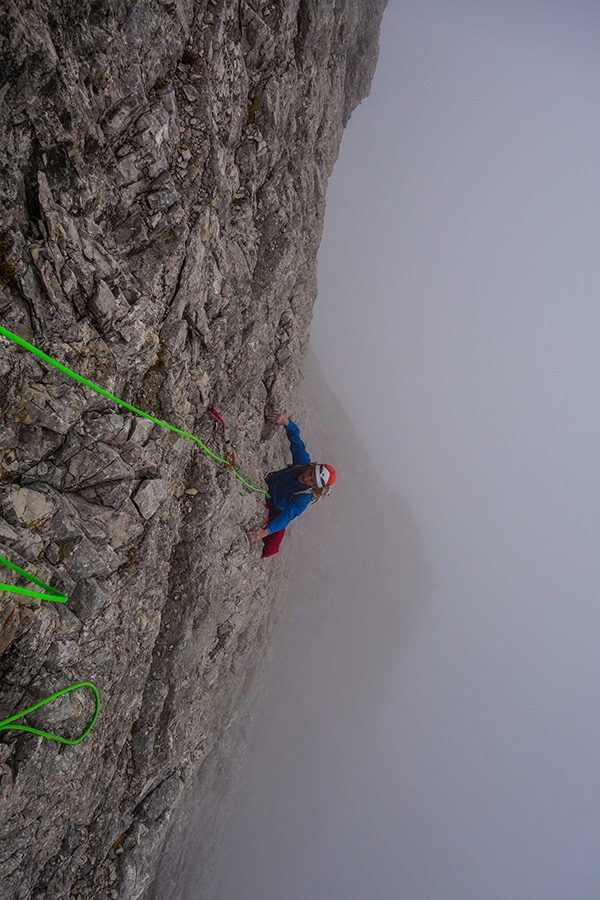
(289, 495)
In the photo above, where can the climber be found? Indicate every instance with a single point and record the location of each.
(291, 489)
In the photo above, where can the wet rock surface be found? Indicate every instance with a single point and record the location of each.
(162, 190)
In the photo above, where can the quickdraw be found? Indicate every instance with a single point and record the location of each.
(219, 428)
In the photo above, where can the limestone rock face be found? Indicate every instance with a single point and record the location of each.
(162, 191)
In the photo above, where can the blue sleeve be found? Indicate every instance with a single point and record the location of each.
(300, 455)
(293, 508)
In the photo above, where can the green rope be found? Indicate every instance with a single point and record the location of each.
(139, 412)
(6, 724)
(57, 597)
(50, 592)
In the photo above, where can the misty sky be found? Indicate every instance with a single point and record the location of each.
(459, 321)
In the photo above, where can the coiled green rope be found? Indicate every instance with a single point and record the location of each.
(139, 412)
(51, 593)
(6, 724)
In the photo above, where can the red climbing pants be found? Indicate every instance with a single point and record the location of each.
(272, 542)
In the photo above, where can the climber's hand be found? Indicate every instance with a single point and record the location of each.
(277, 419)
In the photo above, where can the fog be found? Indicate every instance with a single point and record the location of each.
(458, 321)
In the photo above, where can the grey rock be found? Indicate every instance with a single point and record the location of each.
(150, 495)
(88, 599)
(119, 527)
(96, 465)
(131, 235)
(113, 494)
(56, 408)
(23, 506)
(7, 532)
(109, 427)
(6, 777)
(122, 114)
(163, 193)
(103, 305)
(86, 559)
(29, 545)
(65, 525)
(142, 429)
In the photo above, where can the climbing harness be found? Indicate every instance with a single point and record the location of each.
(6, 724)
(219, 428)
(139, 412)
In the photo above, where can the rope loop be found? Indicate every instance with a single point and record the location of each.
(55, 596)
(6, 724)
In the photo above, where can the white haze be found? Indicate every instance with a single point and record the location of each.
(459, 321)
